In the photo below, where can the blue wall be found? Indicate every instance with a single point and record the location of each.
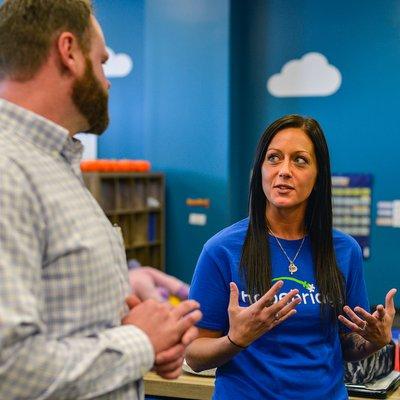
(173, 109)
(187, 117)
(196, 102)
(359, 120)
(123, 24)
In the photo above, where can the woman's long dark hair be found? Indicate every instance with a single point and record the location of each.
(255, 263)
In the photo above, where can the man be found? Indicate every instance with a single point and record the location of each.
(66, 331)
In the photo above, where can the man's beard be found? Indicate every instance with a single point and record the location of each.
(91, 100)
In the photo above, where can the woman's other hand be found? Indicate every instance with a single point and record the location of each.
(376, 328)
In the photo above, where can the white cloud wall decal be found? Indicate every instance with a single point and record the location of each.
(118, 65)
(311, 75)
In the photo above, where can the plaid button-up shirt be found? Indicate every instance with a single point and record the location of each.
(63, 275)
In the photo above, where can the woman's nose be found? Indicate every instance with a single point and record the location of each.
(285, 169)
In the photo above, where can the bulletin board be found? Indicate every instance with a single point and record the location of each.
(351, 198)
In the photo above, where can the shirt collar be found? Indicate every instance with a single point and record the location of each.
(44, 133)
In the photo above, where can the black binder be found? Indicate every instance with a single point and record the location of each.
(378, 389)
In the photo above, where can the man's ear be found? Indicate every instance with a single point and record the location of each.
(71, 56)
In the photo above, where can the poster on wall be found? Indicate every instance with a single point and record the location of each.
(388, 213)
(351, 198)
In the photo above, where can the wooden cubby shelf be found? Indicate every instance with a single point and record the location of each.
(136, 203)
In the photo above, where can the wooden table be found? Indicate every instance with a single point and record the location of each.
(187, 386)
(195, 387)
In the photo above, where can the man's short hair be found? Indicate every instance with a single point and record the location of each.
(29, 27)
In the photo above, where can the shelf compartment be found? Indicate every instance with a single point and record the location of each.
(139, 229)
(140, 254)
(155, 257)
(139, 194)
(125, 197)
(155, 195)
(108, 194)
(135, 202)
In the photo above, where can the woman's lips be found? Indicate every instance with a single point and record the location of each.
(284, 188)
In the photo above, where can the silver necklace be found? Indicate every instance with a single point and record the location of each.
(292, 266)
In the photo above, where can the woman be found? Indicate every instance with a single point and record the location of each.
(272, 287)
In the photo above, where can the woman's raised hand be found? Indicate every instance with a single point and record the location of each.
(247, 324)
(375, 327)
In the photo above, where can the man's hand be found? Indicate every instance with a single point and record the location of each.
(168, 363)
(132, 301)
(166, 327)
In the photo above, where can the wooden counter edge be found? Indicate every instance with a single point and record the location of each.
(189, 386)
(186, 386)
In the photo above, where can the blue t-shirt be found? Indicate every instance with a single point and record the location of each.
(298, 359)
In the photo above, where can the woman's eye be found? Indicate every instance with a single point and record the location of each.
(301, 160)
(272, 158)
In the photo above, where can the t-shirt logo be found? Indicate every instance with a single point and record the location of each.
(307, 297)
(309, 286)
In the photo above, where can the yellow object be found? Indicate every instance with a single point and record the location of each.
(174, 300)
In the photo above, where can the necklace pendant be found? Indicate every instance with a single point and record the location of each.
(292, 268)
